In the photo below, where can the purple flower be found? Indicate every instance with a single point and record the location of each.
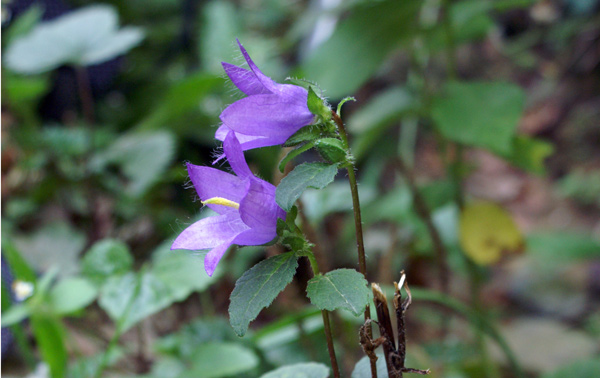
(269, 115)
(246, 206)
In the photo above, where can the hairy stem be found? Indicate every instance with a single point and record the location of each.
(328, 335)
(360, 244)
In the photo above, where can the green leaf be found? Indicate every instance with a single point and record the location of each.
(181, 271)
(19, 267)
(181, 98)
(133, 297)
(24, 23)
(106, 258)
(215, 360)
(142, 156)
(221, 25)
(293, 153)
(582, 369)
(49, 336)
(72, 294)
(340, 288)
(305, 134)
(529, 154)
(317, 106)
(15, 314)
(355, 52)
(302, 370)
(563, 246)
(54, 244)
(258, 287)
(372, 120)
(83, 37)
(307, 175)
(332, 150)
(21, 89)
(479, 114)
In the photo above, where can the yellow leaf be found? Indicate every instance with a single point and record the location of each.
(487, 232)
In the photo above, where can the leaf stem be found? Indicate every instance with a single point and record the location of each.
(328, 335)
(360, 244)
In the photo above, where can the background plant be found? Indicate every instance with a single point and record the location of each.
(457, 103)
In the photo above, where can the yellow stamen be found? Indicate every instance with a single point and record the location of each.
(221, 201)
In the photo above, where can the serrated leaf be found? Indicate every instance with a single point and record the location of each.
(307, 175)
(106, 258)
(479, 114)
(340, 288)
(487, 231)
(85, 36)
(72, 294)
(217, 359)
(301, 370)
(258, 287)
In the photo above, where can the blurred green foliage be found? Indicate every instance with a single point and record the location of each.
(90, 206)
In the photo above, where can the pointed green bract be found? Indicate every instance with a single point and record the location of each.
(258, 287)
(317, 106)
(307, 175)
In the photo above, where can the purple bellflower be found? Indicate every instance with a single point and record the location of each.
(271, 112)
(246, 206)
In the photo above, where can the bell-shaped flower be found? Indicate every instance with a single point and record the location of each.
(270, 113)
(246, 206)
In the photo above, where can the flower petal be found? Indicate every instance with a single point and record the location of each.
(272, 116)
(213, 257)
(266, 81)
(249, 142)
(211, 182)
(235, 156)
(255, 237)
(245, 80)
(210, 232)
(258, 209)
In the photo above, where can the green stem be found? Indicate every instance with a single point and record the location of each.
(360, 244)
(118, 331)
(328, 335)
